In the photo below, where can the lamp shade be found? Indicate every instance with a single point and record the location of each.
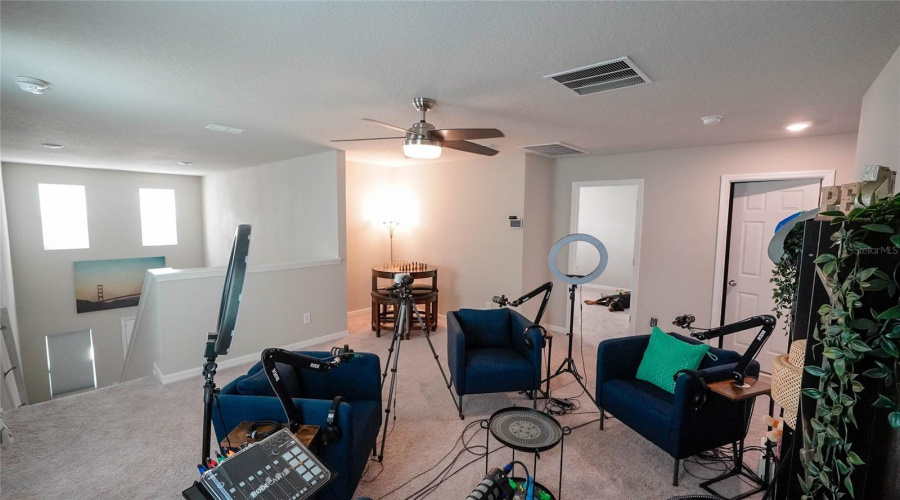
(421, 148)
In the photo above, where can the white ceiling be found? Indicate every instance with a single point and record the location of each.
(134, 83)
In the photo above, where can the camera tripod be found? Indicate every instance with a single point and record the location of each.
(402, 294)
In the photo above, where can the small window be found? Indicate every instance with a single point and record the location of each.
(158, 217)
(70, 362)
(63, 216)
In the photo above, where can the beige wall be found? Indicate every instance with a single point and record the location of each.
(681, 193)
(879, 122)
(368, 243)
(538, 231)
(295, 207)
(44, 279)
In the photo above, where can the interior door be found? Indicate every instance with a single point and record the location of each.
(757, 208)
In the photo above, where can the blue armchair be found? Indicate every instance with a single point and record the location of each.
(251, 398)
(487, 352)
(666, 420)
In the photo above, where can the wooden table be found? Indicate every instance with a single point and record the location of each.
(727, 389)
(239, 435)
(417, 271)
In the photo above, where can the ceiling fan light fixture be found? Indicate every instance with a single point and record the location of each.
(422, 148)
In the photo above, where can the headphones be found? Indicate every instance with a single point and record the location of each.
(254, 433)
(527, 339)
(698, 398)
(332, 433)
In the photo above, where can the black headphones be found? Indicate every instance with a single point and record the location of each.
(254, 433)
(528, 341)
(332, 433)
(698, 398)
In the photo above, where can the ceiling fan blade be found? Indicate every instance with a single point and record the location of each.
(392, 127)
(368, 139)
(470, 147)
(464, 134)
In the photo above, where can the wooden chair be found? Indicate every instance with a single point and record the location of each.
(384, 313)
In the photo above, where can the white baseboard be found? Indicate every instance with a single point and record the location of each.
(240, 360)
(359, 312)
(556, 329)
(603, 289)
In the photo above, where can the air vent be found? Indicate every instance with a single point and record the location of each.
(554, 149)
(602, 77)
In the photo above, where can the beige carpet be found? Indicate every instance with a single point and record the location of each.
(141, 439)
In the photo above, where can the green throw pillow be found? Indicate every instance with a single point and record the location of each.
(665, 355)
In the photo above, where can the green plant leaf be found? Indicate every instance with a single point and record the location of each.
(862, 323)
(890, 348)
(854, 459)
(859, 346)
(879, 228)
(812, 393)
(833, 353)
(848, 483)
(840, 366)
(895, 239)
(832, 213)
(876, 373)
(894, 419)
(892, 313)
(884, 402)
(825, 257)
(814, 370)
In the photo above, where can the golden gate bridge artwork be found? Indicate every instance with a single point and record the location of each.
(111, 284)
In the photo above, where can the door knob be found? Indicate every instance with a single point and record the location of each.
(732, 283)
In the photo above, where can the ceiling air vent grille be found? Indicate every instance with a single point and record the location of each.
(602, 77)
(554, 149)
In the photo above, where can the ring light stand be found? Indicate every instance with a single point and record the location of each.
(573, 280)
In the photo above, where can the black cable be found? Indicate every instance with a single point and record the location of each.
(222, 421)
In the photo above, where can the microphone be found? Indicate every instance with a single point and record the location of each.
(501, 300)
(495, 485)
(345, 354)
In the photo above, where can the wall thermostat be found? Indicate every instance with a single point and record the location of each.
(515, 221)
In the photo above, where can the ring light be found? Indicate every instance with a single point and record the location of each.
(578, 280)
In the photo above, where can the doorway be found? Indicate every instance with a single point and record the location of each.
(756, 209)
(611, 212)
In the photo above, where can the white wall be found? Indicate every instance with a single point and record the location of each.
(538, 215)
(44, 280)
(368, 243)
(879, 122)
(680, 204)
(8, 388)
(464, 209)
(608, 213)
(294, 206)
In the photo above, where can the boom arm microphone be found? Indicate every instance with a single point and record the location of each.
(501, 300)
(495, 485)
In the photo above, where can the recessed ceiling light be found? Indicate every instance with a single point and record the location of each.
(225, 128)
(32, 85)
(184, 163)
(711, 119)
(798, 127)
(50, 145)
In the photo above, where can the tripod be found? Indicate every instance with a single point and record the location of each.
(404, 298)
(568, 364)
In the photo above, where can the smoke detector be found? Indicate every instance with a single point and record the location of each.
(184, 163)
(32, 85)
(50, 145)
(711, 119)
(225, 128)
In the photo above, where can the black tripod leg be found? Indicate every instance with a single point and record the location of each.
(387, 362)
(398, 335)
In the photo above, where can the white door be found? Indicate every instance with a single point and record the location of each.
(756, 209)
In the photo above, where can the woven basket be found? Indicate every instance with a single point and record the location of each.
(787, 372)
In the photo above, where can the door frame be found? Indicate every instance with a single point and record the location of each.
(826, 177)
(639, 216)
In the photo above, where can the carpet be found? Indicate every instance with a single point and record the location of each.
(141, 440)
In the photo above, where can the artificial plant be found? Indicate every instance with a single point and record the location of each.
(859, 345)
(784, 277)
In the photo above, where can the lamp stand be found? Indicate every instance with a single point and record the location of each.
(391, 225)
(568, 365)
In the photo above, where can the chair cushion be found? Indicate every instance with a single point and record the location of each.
(257, 384)
(496, 369)
(484, 328)
(642, 406)
(665, 355)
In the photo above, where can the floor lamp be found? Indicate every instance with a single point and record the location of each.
(573, 280)
(391, 225)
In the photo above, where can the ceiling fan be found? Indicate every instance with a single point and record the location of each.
(423, 141)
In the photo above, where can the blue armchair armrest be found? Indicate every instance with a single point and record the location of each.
(518, 326)
(456, 353)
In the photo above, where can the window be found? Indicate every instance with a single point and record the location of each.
(63, 216)
(70, 362)
(158, 217)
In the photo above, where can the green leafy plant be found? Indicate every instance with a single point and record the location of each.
(858, 344)
(784, 277)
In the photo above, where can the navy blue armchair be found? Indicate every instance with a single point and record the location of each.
(487, 352)
(667, 420)
(251, 398)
